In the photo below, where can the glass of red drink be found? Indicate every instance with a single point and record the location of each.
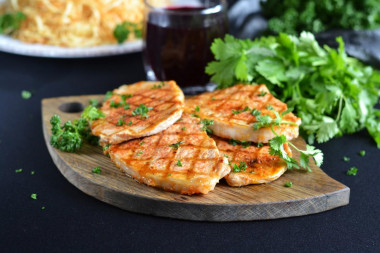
(177, 38)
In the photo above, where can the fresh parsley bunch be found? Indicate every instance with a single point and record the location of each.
(70, 136)
(333, 93)
(295, 16)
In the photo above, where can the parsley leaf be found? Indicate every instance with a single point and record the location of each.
(288, 184)
(142, 110)
(346, 159)
(244, 144)
(207, 122)
(234, 112)
(18, 170)
(70, 136)
(176, 145)
(179, 164)
(33, 195)
(123, 30)
(97, 170)
(26, 94)
(238, 168)
(352, 171)
(362, 153)
(10, 22)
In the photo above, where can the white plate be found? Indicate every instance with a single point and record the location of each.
(10, 45)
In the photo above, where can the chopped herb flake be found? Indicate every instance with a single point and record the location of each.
(130, 123)
(260, 144)
(197, 109)
(352, 171)
(269, 107)
(142, 143)
(18, 170)
(179, 164)
(106, 147)
(346, 159)
(262, 94)
(362, 153)
(194, 115)
(121, 121)
(97, 170)
(234, 112)
(176, 145)
(139, 153)
(43, 208)
(183, 128)
(206, 122)
(142, 110)
(241, 167)
(26, 94)
(288, 184)
(33, 195)
(32, 172)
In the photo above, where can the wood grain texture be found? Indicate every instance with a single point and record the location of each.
(311, 192)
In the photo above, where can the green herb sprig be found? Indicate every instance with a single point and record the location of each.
(142, 110)
(69, 137)
(123, 30)
(10, 22)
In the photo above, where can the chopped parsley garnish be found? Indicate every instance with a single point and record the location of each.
(183, 128)
(269, 107)
(97, 170)
(141, 143)
(346, 159)
(10, 22)
(244, 144)
(194, 115)
(207, 122)
(126, 106)
(32, 172)
(139, 153)
(226, 156)
(108, 95)
(288, 184)
(18, 170)
(123, 30)
(176, 145)
(130, 123)
(125, 96)
(169, 174)
(106, 147)
(362, 153)
(120, 121)
(113, 104)
(26, 94)
(260, 144)
(240, 111)
(262, 94)
(241, 167)
(142, 110)
(352, 171)
(33, 195)
(157, 86)
(212, 98)
(255, 112)
(197, 109)
(94, 102)
(179, 164)
(43, 208)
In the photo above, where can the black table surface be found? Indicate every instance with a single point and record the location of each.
(74, 221)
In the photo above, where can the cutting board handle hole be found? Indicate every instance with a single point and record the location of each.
(72, 107)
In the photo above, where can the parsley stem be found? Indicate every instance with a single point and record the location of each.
(289, 123)
(340, 108)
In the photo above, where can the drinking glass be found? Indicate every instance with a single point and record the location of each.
(177, 38)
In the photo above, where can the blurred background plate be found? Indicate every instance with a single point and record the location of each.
(10, 45)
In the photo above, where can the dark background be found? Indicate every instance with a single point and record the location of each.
(73, 221)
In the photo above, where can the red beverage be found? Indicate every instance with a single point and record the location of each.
(178, 40)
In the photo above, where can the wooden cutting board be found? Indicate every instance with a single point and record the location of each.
(311, 192)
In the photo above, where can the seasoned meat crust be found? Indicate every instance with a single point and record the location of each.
(220, 104)
(163, 100)
(182, 158)
(261, 167)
